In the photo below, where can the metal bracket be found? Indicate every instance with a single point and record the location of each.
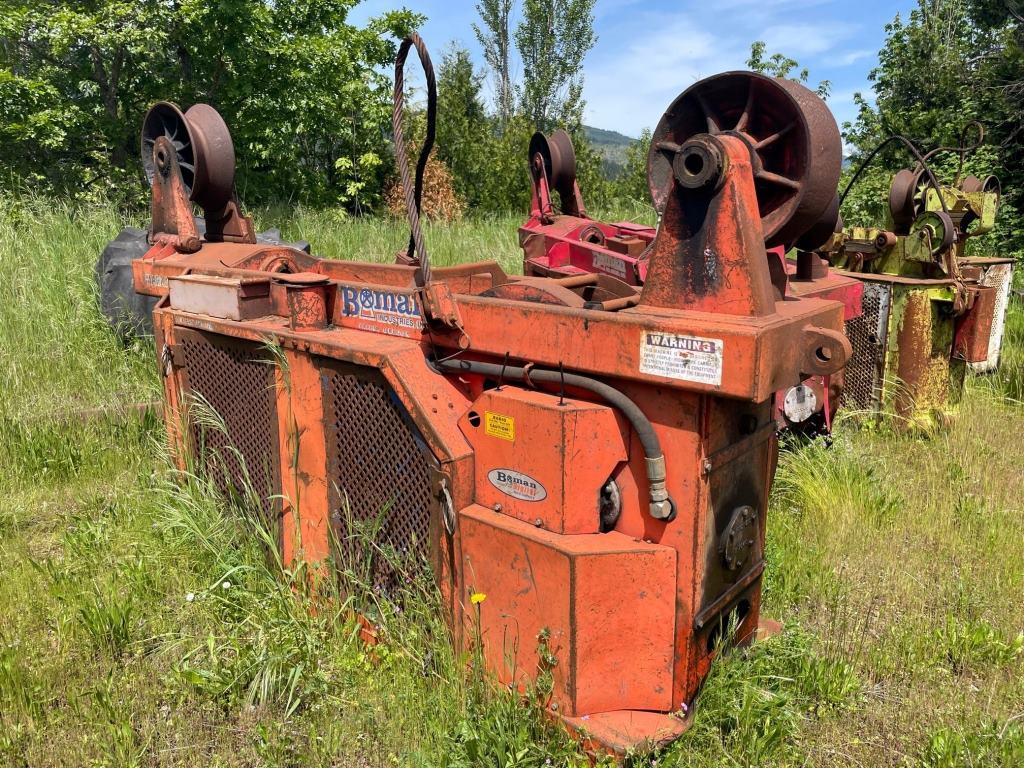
(729, 595)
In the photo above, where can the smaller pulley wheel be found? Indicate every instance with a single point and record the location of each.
(902, 193)
(940, 229)
(559, 158)
(203, 150)
(971, 184)
(166, 120)
(974, 184)
(794, 143)
(989, 184)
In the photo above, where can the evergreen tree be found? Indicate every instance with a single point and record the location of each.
(464, 130)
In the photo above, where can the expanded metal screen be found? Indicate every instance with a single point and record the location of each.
(867, 334)
(232, 411)
(1000, 277)
(379, 471)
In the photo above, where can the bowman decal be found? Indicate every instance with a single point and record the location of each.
(517, 485)
(397, 314)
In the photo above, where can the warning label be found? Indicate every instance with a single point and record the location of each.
(689, 358)
(499, 425)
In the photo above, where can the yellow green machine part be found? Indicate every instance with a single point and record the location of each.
(927, 310)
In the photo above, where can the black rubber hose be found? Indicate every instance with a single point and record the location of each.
(662, 506)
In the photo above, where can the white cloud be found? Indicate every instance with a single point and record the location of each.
(796, 40)
(853, 57)
(651, 63)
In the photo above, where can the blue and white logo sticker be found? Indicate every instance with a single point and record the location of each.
(518, 485)
(386, 311)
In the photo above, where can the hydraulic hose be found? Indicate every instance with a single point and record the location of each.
(662, 507)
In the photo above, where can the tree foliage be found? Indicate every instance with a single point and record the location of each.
(553, 38)
(464, 128)
(632, 182)
(486, 150)
(779, 65)
(949, 62)
(302, 89)
(493, 34)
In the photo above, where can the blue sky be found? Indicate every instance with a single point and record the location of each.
(648, 51)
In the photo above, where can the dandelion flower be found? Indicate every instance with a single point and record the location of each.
(226, 585)
(477, 597)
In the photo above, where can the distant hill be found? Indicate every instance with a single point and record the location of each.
(611, 146)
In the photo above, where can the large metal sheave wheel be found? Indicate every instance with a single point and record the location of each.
(559, 158)
(794, 142)
(203, 149)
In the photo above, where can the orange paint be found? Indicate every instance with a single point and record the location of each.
(510, 479)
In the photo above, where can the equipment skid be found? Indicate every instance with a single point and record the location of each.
(587, 485)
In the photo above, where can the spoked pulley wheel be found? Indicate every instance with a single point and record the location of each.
(794, 143)
(974, 184)
(202, 146)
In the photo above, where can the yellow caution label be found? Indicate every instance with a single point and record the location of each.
(499, 425)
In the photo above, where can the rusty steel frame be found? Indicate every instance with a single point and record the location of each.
(675, 388)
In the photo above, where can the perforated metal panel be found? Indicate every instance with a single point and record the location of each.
(380, 474)
(1000, 277)
(863, 376)
(233, 417)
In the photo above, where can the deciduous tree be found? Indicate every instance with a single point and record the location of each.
(493, 34)
(304, 92)
(553, 38)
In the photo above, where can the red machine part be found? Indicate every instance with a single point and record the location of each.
(787, 130)
(598, 471)
(568, 243)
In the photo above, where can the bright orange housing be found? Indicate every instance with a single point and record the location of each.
(601, 476)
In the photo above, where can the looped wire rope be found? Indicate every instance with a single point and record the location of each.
(913, 150)
(416, 253)
(964, 149)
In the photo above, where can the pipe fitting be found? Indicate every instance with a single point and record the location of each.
(661, 506)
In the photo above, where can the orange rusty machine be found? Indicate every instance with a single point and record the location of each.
(599, 470)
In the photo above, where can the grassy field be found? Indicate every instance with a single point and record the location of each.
(141, 625)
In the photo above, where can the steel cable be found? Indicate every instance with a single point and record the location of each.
(932, 180)
(416, 254)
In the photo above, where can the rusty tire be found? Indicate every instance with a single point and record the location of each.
(130, 315)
